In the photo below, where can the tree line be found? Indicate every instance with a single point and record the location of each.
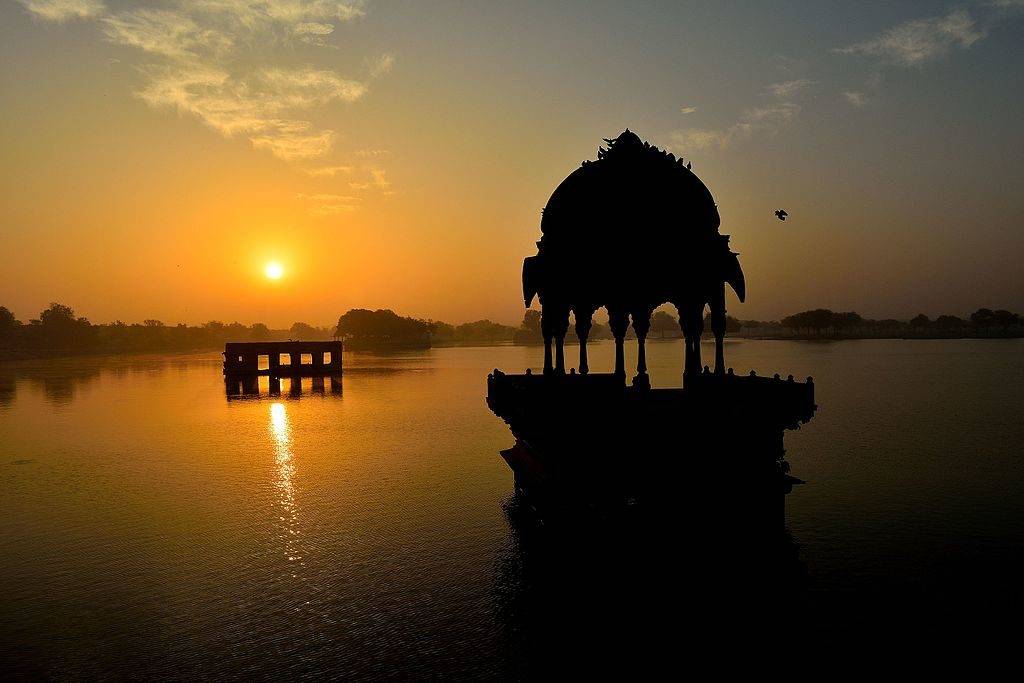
(59, 330)
(824, 323)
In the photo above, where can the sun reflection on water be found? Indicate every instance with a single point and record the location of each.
(280, 430)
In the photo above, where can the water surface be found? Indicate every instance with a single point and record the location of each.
(150, 527)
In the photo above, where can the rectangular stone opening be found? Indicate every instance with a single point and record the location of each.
(284, 359)
(306, 359)
(327, 357)
(263, 362)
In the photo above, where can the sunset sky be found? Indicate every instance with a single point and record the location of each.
(155, 157)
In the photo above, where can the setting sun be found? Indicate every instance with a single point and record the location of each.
(273, 270)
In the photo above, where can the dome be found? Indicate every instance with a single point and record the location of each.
(632, 186)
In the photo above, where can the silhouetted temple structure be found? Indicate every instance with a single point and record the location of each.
(245, 362)
(629, 232)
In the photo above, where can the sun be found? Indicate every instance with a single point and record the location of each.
(273, 270)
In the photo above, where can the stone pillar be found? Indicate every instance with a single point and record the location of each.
(296, 360)
(274, 363)
(584, 321)
(718, 326)
(641, 325)
(547, 331)
(619, 322)
(561, 327)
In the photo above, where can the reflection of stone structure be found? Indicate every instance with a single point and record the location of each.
(629, 232)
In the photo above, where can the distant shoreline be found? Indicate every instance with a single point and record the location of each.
(24, 355)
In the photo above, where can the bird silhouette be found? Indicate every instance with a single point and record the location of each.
(781, 214)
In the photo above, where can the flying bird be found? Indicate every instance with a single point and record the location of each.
(781, 214)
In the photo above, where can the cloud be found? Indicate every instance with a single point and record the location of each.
(63, 10)
(855, 98)
(766, 120)
(292, 141)
(687, 110)
(215, 60)
(380, 179)
(328, 204)
(328, 171)
(381, 65)
(921, 40)
(789, 88)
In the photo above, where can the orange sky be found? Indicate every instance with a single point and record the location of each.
(398, 155)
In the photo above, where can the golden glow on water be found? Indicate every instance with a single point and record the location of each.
(280, 431)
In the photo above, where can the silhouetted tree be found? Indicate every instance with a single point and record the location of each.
(662, 322)
(529, 330)
(57, 327)
(920, 320)
(259, 332)
(1005, 319)
(382, 327)
(8, 323)
(483, 330)
(817, 320)
(304, 331)
(949, 322)
(983, 317)
(847, 321)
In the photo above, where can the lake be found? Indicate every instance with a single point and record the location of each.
(152, 528)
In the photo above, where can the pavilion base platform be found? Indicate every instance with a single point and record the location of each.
(714, 449)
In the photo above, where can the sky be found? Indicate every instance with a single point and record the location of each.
(155, 156)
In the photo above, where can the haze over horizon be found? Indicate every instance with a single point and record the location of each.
(158, 157)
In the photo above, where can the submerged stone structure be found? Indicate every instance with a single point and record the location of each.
(631, 231)
(245, 362)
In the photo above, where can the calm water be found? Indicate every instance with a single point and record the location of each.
(149, 527)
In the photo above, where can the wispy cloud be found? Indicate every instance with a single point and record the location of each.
(63, 10)
(787, 89)
(381, 65)
(380, 179)
(766, 120)
(762, 120)
(687, 110)
(214, 60)
(329, 204)
(855, 98)
(327, 171)
(921, 40)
